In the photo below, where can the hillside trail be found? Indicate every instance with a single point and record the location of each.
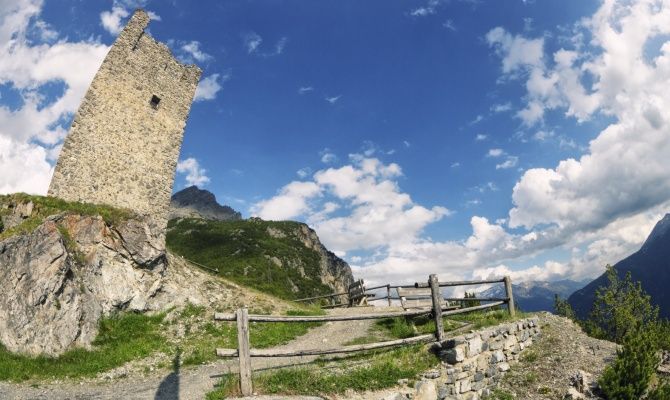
(190, 383)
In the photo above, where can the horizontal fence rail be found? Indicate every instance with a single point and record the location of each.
(439, 308)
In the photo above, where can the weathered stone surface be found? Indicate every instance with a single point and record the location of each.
(426, 390)
(60, 279)
(124, 141)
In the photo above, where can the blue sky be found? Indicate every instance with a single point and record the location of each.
(469, 138)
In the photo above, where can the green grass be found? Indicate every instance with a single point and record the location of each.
(243, 251)
(121, 339)
(201, 340)
(498, 394)
(45, 206)
(130, 336)
(379, 370)
(400, 328)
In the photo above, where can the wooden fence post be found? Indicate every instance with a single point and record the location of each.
(388, 293)
(243, 351)
(437, 306)
(510, 296)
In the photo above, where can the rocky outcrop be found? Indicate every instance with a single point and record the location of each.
(193, 202)
(335, 272)
(62, 277)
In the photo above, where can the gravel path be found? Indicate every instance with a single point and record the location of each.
(191, 383)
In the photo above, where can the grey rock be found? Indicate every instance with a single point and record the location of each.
(57, 286)
(193, 202)
(426, 390)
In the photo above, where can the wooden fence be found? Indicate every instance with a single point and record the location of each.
(244, 352)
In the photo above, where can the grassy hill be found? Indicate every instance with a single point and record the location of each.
(266, 255)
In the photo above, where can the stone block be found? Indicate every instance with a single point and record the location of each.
(502, 367)
(497, 357)
(474, 346)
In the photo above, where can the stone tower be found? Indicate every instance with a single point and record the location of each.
(123, 146)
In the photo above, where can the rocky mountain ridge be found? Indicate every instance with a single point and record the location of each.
(536, 295)
(650, 265)
(194, 202)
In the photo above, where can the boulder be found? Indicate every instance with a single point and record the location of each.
(61, 278)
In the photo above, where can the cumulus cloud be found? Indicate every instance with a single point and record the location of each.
(112, 20)
(378, 213)
(195, 175)
(327, 156)
(209, 86)
(30, 135)
(193, 51)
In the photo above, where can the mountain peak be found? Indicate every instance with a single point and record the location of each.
(194, 202)
(660, 230)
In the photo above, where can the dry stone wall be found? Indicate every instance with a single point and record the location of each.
(473, 363)
(123, 146)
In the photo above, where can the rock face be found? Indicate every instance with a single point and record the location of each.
(193, 202)
(335, 272)
(63, 276)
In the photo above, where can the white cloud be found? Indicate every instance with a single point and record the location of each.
(510, 162)
(429, 9)
(333, 99)
(378, 213)
(543, 135)
(516, 51)
(495, 153)
(30, 136)
(251, 41)
(499, 108)
(112, 20)
(195, 175)
(305, 89)
(455, 164)
(449, 24)
(25, 167)
(208, 87)
(304, 172)
(290, 202)
(192, 49)
(480, 137)
(327, 156)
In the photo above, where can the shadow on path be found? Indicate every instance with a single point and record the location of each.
(169, 387)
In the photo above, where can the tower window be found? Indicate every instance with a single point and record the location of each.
(154, 101)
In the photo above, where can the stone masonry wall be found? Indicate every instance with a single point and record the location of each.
(122, 148)
(474, 362)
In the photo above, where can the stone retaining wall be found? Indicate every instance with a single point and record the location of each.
(474, 362)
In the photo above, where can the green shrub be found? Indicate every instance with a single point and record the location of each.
(620, 307)
(563, 308)
(628, 377)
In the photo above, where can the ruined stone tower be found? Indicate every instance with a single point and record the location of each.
(124, 142)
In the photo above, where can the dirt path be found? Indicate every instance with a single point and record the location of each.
(190, 383)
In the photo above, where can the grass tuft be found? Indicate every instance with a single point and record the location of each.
(44, 206)
(121, 338)
(380, 370)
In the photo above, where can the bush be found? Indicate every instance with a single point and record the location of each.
(628, 377)
(563, 308)
(620, 307)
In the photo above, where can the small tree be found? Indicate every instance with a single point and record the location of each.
(563, 308)
(619, 307)
(628, 377)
